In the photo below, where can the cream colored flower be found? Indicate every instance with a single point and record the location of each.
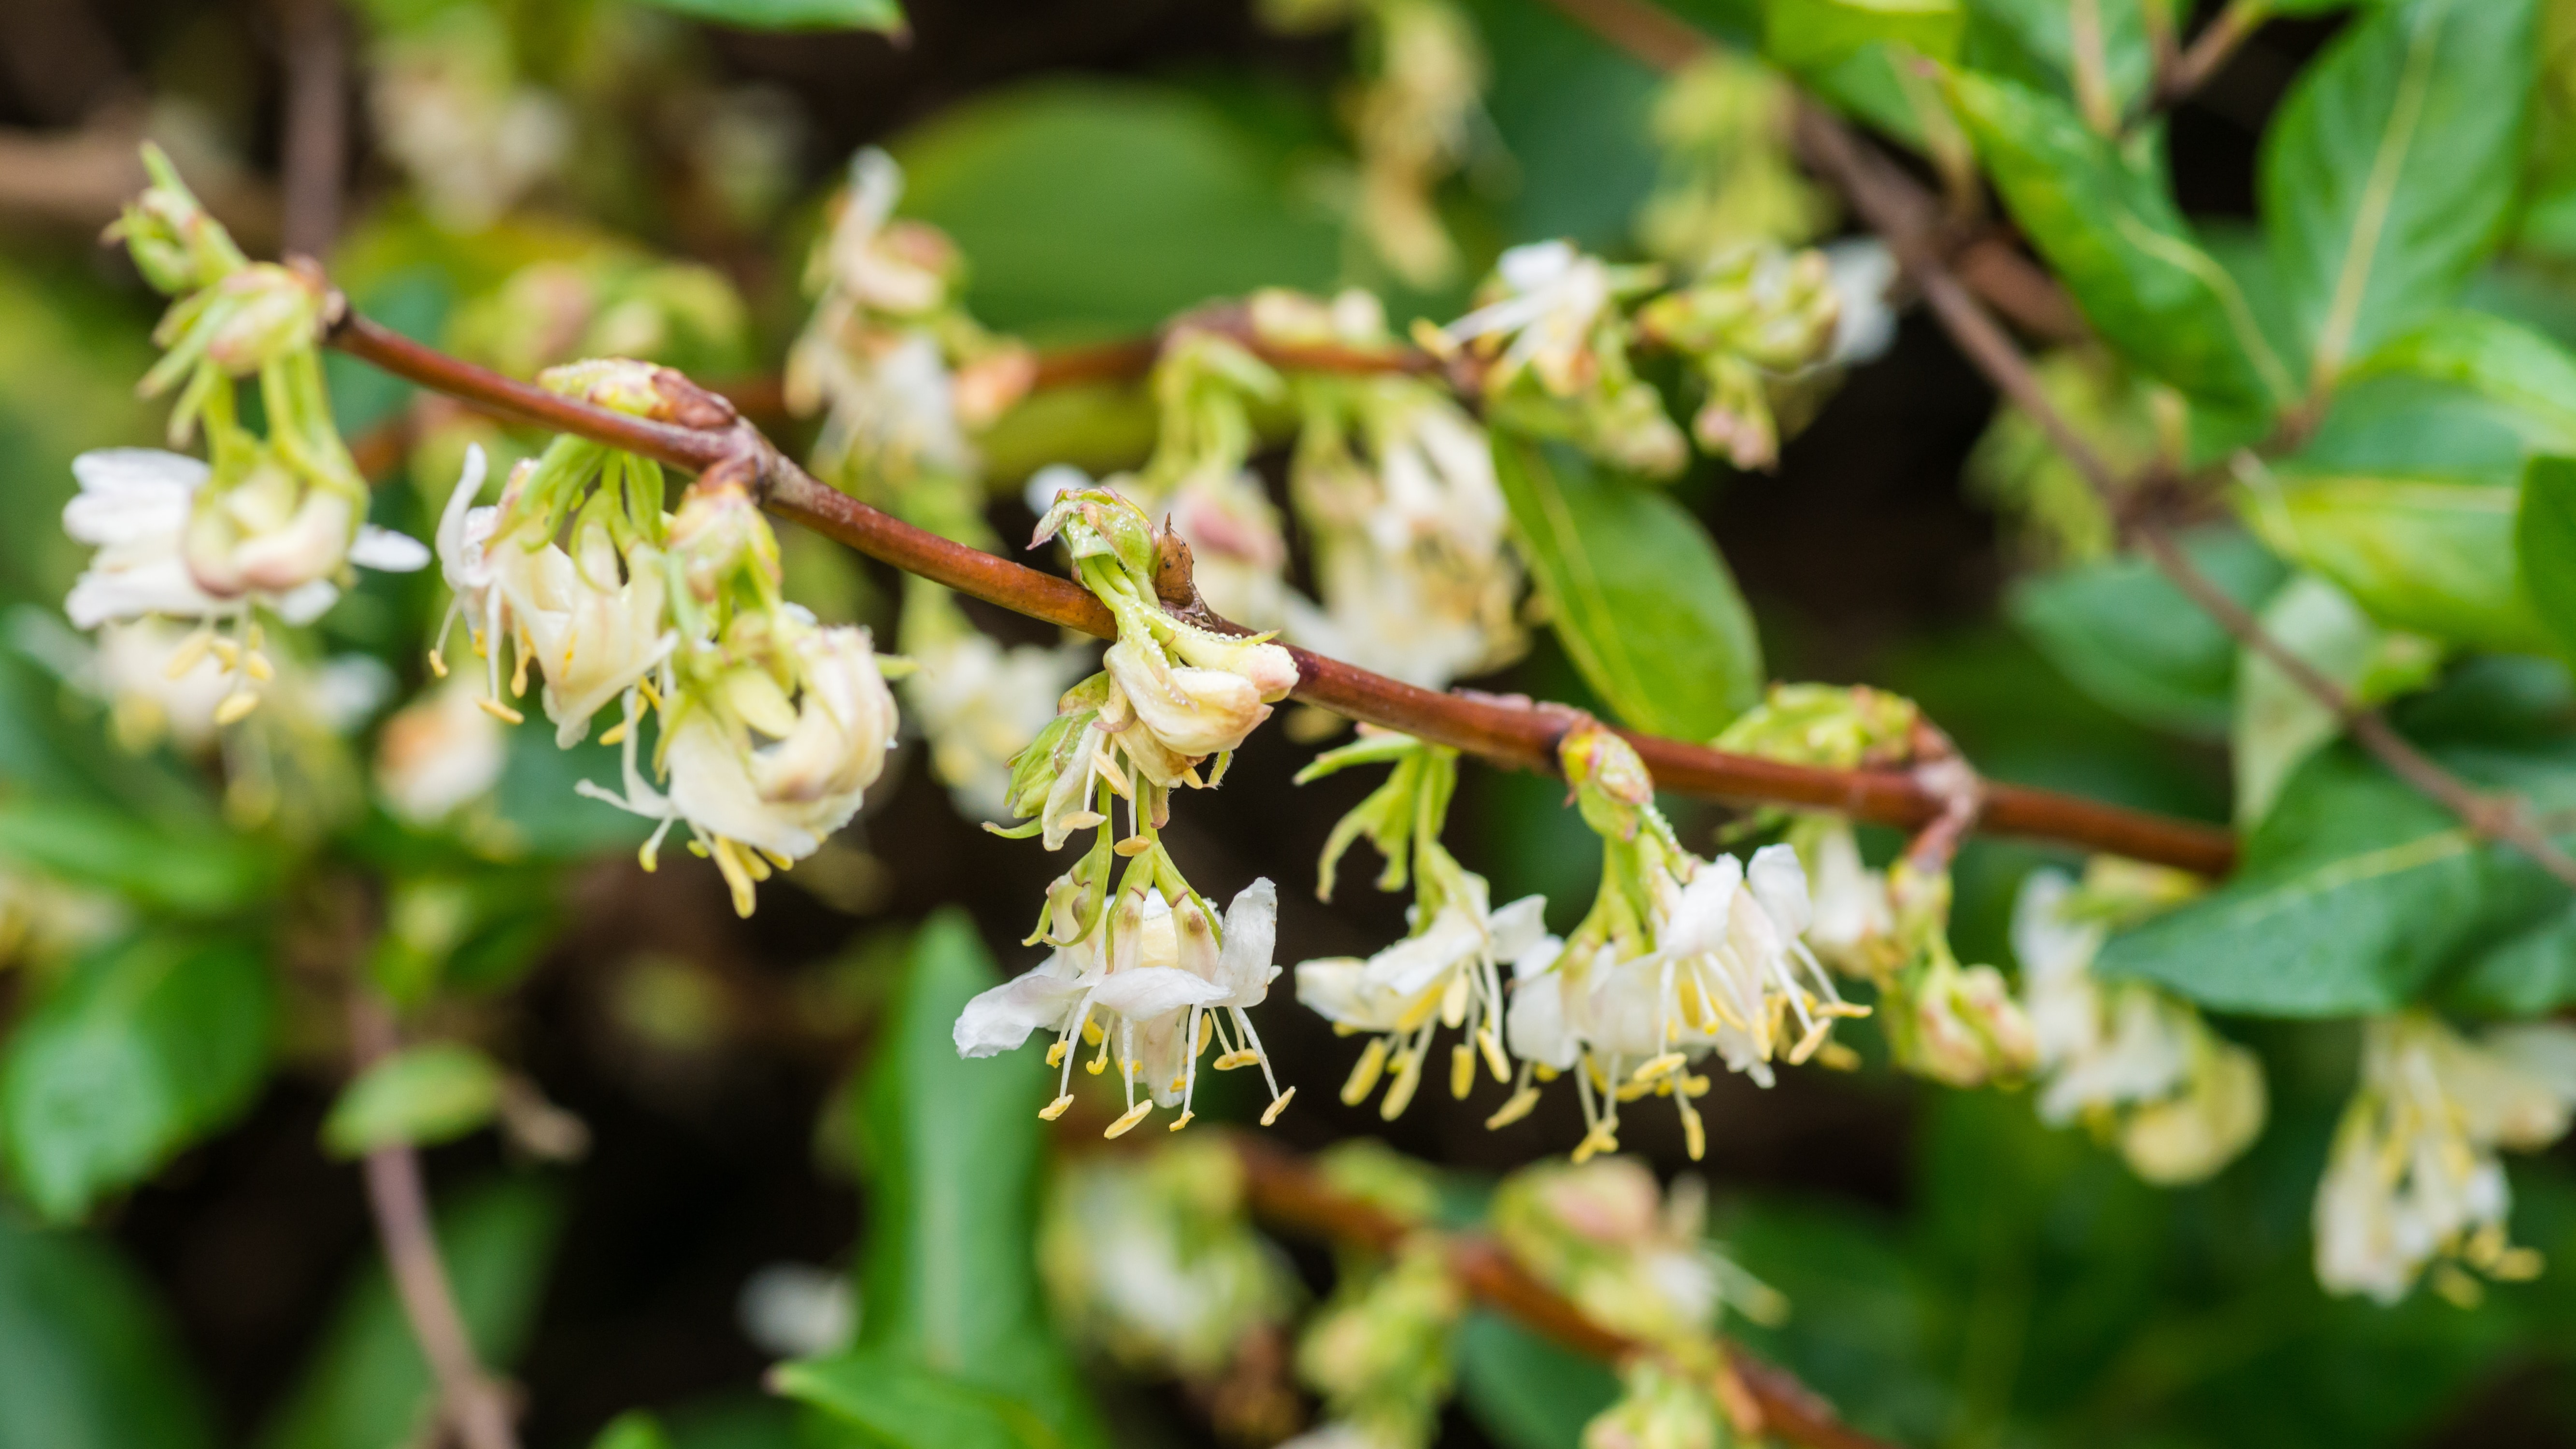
(1447, 974)
(439, 753)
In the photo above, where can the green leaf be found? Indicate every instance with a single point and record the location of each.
(2355, 892)
(2389, 170)
(188, 871)
(427, 1094)
(2432, 555)
(1642, 600)
(895, 1402)
(86, 1360)
(2135, 643)
(2103, 216)
(2531, 376)
(634, 1429)
(141, 1050)
(2278, 724)
(883, 15)
(1525, 1392)
(1814, 35)
(2530, 973)
(951, 1155)
(1091, 207)
(2544, 540)
(366, 1386)
(2036, 43)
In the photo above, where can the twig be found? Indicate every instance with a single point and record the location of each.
(1879, 191)
(2209, 52)
(1289, 1193)
(468, 1398)
(316, 145)
(1510, 734)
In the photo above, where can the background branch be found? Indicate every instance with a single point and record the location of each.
(1512, 733)
(1287, 1191)
(468, 1399)
(316, 144)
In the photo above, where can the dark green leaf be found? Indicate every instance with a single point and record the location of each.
(633, 1429)
(950, 1151)
(2132, 641)
(432, 1093)
(885, 15)
(188, 872)
(1092, 207)
(2037, 43)
(2355, 892)
(85, 1359)
(1814, 35)
(1525, 1392)
(2388, 172)
(1643, 602)
(892, 1401)
(2529, 973)
(2544, 540)
(2527, 373)
(2430, 555)
(367, 1387)
(2102, 215)
(140, 1051)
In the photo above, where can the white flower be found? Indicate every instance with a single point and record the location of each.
(2414, 1177)
(784, 782)
(1554, 297)
(148, 699)
(1855, 925)
(2141, 1066)
(438, 753)
(979, 704)
(1165, 978)
(135, 506)
(590, 621)
(1446, 974)
(1865, 323)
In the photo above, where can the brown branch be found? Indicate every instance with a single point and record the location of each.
(470, 1401)
(316, 145)
(2208, 52)
(1893, 205)
(1289, 1193)
(1502, 732)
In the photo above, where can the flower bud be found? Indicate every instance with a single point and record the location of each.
(1192, 711)
(1098, 522)
(717, 533)
(1657, 1409)
(1271, 669)
(268, 531)
(175, 244)
(639, 389)
(1964, 1028)
(269, 310)
(1611, 784)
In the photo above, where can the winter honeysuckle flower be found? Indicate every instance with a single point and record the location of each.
(439, 753)
(2137, 1065)
(1723, 123)
(1151, 982)
(1205, 386)
(1659, 1408)
(1854, 926)
(1637, 1262)
(451, 109)
(1152, 1258)
(899, 370)
(1754, 320)
(1448, 974)
(1379, 1351)
(1173, 694)
(2413, 1179)
(147, 700)
(592, 620)
(136, 506)
(1678, 958)
(1555, 346)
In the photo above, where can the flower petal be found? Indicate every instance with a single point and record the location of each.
(1002, 1017)
(386, 551)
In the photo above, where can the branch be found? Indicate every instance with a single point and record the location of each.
(469, 1400)
(1892, 204)
(316, 146)
(1513, 734)
(1288, 1192)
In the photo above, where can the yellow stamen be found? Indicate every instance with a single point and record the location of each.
(437, 664)
(1134, 1115)
(226, 652)
(1278, 1105)
(614, 734)
(1492, 1046)
(1694, 1136)
(1055, 1109)
(1657, 1066)
(1453, 1002)
(737, 876)
(1399, 1093)
(1091, 1032)
(1837, 1057)
(1522, 1103)
(258, 667)
(1186, 1115)
(1133, 846)
(501, 712)
(1055, 1054)
(1814, 1038)
(236, 707)
(1364, 1074)
(1462, 1070)
(1082, 819)
(1239, 1057)
(190, 653)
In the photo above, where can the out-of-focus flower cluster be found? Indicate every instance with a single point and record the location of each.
(2413, 1182)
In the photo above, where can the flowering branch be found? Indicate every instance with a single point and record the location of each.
(706, 434)
(1287, 1191)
